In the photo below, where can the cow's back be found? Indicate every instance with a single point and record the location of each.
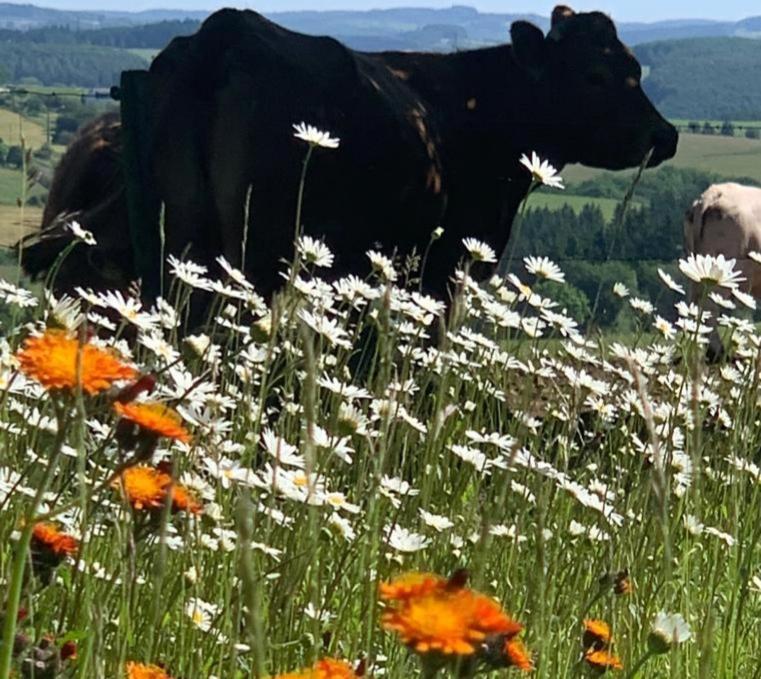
(725, 219)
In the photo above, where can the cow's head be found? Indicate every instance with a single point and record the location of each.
(88, 187)
(587, 93)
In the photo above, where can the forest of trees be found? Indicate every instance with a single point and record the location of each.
(595, 253)
(705, 78)
(78, 65)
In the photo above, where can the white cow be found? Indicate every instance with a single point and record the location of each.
(726, 220)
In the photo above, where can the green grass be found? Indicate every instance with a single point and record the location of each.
(727, 156)
(556, 200)
(147, 53)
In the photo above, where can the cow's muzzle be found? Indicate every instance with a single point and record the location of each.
(664, 142)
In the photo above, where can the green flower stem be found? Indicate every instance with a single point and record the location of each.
(639, 664)
(22, 551)
(299, 206)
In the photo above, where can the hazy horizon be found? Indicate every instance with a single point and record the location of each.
(620, 10)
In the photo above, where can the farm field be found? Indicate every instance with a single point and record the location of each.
(12, 126)
(727, 156)
(11, 228)
(147, 53)
(556, 200)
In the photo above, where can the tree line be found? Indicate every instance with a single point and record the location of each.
(628, 248)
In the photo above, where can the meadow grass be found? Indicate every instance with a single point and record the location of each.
(251, 494)
(593, 481)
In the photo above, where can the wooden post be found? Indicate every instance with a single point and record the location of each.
(143, 202)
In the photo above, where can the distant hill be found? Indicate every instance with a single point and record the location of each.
(401, 27)
(696, 69)
(704, 78)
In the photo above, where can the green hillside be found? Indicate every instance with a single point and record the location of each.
(82, 65)
(704, 77)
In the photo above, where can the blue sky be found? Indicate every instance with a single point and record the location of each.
(621, 10)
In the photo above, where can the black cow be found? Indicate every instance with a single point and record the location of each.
(427, 140)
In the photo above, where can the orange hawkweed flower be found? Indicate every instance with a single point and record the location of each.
(326, 668)
(603, 660)
(147, 488)
(156, 418)
(411, 585)
(136, 670)
(596, 634)
(516, 655)
(144, 487)
(46, 537)
(183, 500)
(51, 359)
(447, 620)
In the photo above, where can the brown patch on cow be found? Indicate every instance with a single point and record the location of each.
(631, 82)
(433, 180)
(418, 115)
(471, 104)
(399, 73)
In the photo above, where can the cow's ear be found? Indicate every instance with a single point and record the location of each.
(560, 14)
(529, 50)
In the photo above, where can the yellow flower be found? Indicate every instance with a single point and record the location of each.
(326, 668)
(156, 418)
(136, 670)
(51, 359)
(432, 615)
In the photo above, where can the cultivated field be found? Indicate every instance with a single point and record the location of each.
(555, 201)
(12, 126)
(11, 228)
(728, 156)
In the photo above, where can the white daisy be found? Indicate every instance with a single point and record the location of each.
(314, 137)
(668, 630)
(744, 298)
(670, 282)
(315, 252)
(436, 521)
(201, 613)
(402, 540)
(711, 270)
(83, 234)
(383, 265)
(480, 251)
(541, 171)
(544, 268)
